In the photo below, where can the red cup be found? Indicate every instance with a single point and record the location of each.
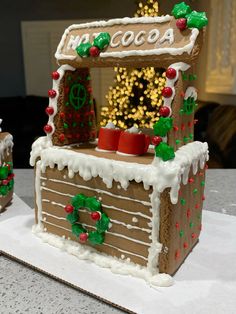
(108, 139)
(133, 143)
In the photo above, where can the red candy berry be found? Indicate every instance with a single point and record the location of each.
(49, 111)
(69, 208)
(62, 137)
(167, 92)
(47, 128)
(52, 93)
(181, 24)
(55, 75)
(165, 111)
(171, 73)
(94, 51)
(185, 245)
(83, 237)
(5, 182)
(156, 140)
(95, 216)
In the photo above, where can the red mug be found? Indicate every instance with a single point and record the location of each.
(108, 139)
(133, 143)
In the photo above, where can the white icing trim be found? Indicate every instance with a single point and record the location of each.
(116, 265)
(159, 174)
(97, 190)
(6, 145)
(53, 101)
(125, 21)
(191, 92)
(180, 66)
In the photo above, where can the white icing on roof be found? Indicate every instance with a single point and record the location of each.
(6, 145)
(161, 174)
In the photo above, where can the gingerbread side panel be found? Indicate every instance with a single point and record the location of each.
(181, 223)
(128, 210)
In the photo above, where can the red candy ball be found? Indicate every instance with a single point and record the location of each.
(55, 75)
(167, 92)
(94, 51)
(171, 73)
(181, 24)
(83, 237)
(95, 216)
(62, 137)
(47, 128)
(4, 182)
(49, 111)
(69, 208)
(165, 111)
(156, 140)
(52, 93)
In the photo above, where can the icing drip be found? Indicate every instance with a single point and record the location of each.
(159, 174)
(6, 146)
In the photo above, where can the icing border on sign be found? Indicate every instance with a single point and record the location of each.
(125, 21)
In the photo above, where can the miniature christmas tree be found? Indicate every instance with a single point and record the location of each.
(137, 93)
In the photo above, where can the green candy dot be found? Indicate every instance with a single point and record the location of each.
(184, 77)
(69, 78)
(178, 142)
(186, 139)
(181, 111)
(183, 201)
(202, 183)
(191, 224)
(181, 233)
(67, 103)
(90, 123)
(74, 124)
(195, 191)
(191, 136)
(66, 126)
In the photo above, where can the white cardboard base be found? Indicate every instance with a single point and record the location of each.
(206, 283)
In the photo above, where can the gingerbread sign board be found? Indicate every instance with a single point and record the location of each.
(140, 41)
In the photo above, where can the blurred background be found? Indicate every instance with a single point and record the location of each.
(31, 31)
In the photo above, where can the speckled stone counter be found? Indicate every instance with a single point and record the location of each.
(23, 290)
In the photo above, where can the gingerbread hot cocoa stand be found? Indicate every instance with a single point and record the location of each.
(121, 203)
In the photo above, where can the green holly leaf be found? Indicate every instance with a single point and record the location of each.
(189, 105)
(93, 204)
(3, 172)
(3, 190)
(196, 19)
(164, 151)
(95, 237)
(162, 126)
(83, 49)
(77, 229)
(102, 225)
(78, 200)
(181, 10)
(73, 217)
(102, 40)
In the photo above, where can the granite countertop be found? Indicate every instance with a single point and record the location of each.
(23, 290)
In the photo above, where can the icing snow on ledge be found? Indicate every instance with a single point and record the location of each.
(159, 174)
(6, 144)
(116, 265)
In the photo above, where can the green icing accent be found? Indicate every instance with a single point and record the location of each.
(184, 77)
(164, 151)
(181, 111)
(181, 10)
(191, 224)
(90, 123)
(67, 103)
(202, 183)
(102, 40)
(65, 125)
(162, 126)
(93, 205)
(191, 136)
(189, 106)
(77, 96)
(181, 233)
(195, 191)
(183, 201)
(74, 124)
(83, 49)
(186, 139)
(96, 238)
(192, 77)
(90, 101)
(88, 78)
(3, 172)
(196, 19)
(69, 78)
(178, 142)
(3, 190)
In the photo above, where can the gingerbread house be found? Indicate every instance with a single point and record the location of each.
(6, 169)
(138, 215)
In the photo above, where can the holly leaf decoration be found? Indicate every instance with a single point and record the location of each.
(164, 151)
(181, 10)
(196, 19)
(162, 126)
(189, 106)
(93, 204)
(95, 237)
(77, 229)
(78, 200)
(102, 225)
(73, 217)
